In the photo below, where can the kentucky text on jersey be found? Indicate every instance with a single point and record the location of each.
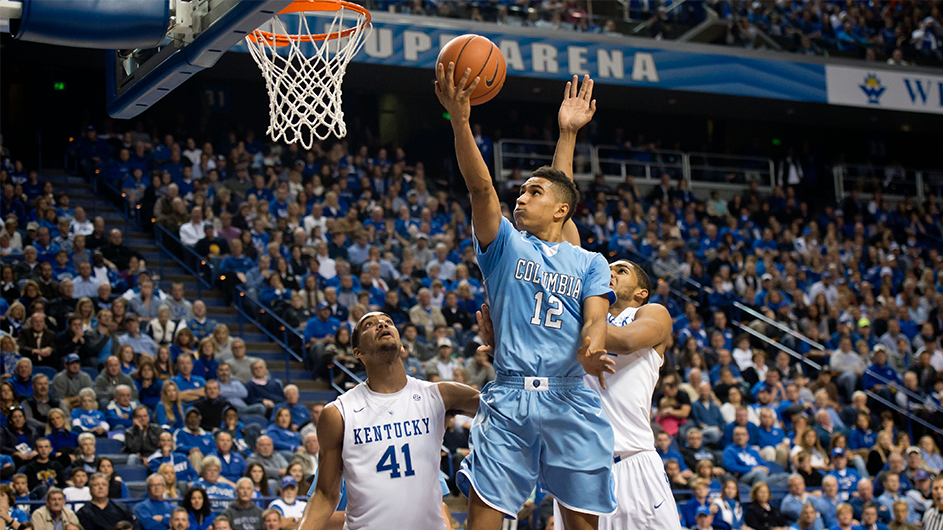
(389, 431)
(554, 282)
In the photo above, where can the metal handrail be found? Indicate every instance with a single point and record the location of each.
(772, 342)
(342, 368)
(892, 384)
(768, 162)
(781, 327)
(623, 163)
(908, 415)
(284, 327)
(161, 232)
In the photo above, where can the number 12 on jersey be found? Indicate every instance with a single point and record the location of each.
(388, 462)
(555, 310)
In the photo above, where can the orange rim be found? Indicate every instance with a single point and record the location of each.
(301, 6)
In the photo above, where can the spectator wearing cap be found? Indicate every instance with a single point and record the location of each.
(67, 383)
(191, 437)
(879, 377)
(288, 504)
(140, 342)
(320, 328)
(921, 496)
(846, 477)
(443, 365)
(210, 246)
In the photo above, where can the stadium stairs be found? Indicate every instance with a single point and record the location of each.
(257, 343)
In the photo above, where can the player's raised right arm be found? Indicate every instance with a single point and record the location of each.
(576, 110)
(330, 471)
(486, 209)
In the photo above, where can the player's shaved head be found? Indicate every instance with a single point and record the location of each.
(563, 187)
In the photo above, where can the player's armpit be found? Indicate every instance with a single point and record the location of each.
(327, 491)
(651, 328)
(459, 398)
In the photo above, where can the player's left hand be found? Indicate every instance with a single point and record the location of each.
(578, 106)
(596, 363)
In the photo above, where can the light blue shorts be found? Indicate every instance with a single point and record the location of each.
(537, 429)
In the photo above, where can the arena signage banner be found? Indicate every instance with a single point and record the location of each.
(535, 52)
(885, 89)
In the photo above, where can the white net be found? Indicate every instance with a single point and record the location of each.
(303, 76)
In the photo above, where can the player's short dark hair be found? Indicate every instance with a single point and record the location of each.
(355, 334)
(563, 187)
(644, 281)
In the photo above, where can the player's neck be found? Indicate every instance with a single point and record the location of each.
(551, 233)
(387, 378)
(619, 306)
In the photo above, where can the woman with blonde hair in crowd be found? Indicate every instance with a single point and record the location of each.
(127, 357)
(882, 450)
(169, 412)
(163, 364)
(85, 309)
(170, 480)
(809, 442)
(931, 454)
(222, 342)
(13, 319)
(9, 355)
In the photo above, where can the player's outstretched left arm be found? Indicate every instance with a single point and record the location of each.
(650, 329)
(592, 353)
(486, 208)
(327, 492)
(576, 110)
(459, 398)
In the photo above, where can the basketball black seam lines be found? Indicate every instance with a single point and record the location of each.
(488, 58)
(459, 56)
(496, 84)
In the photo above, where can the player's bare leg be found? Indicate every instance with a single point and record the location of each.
(573, 520)
(481, 516)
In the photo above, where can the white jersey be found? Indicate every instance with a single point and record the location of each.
(391, 451)
(628, 399)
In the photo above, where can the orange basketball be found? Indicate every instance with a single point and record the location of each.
(485, 60)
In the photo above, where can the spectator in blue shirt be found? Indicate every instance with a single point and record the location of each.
(299, 413)
(192, 436)
(233, 465)
(695, 330)
(847, 478)
(166, 455)
(706, 415)
(771, 439)
(741, 419)
(262, 388)
(190, 387)
(154, 512)
(663, 447)
(280, 432)
(322, 327)
(891, 495)
(201, 325)
(121, 409)
(879, 376)
(233, 269)
(743, 461)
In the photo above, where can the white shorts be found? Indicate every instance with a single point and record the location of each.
(644, 497)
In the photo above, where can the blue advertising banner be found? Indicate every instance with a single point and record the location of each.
(606, 59)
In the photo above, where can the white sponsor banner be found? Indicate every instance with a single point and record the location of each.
(880, 88)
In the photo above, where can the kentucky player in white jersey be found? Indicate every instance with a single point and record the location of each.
(384, 439)
(637, 335)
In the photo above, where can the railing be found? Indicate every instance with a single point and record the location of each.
(348, 373)
(910, 417)
(730, 169)
(185, 256)
(895, 182)
(649, 164)
(792, 353)
(781, 327)
(705, 171)
(272, 325)
(528, 155)
(104, 189)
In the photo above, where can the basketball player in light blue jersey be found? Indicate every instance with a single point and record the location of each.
(537, 421)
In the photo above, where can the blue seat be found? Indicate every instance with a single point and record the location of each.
(132, 473)
(93, 373)
(775, 468)
(258, 420)
(108, 446)
(48, 371)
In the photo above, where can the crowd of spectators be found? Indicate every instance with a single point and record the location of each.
(323, 236)
(897, 32)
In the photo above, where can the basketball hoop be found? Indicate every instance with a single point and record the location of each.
(303, 70)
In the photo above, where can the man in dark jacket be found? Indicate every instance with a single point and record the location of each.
(211, 407)
(102, 513)
(142, 439)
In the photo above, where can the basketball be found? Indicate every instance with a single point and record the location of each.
(485, 60)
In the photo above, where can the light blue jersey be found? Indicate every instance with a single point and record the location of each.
(536, 292)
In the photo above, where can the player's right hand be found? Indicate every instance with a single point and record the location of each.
(596, 363)
(485, 327)
(455, 99)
